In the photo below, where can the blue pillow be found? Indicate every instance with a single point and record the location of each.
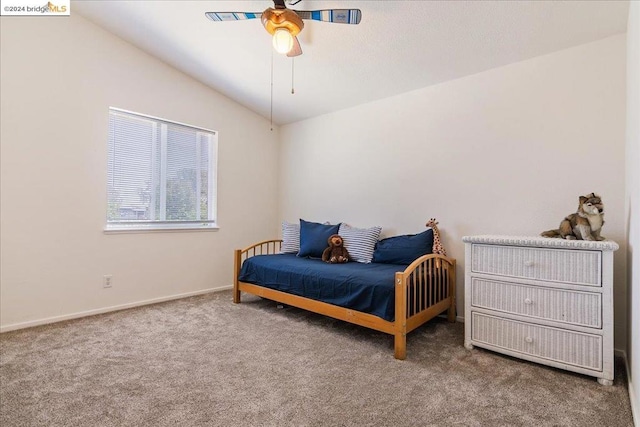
(403, 249)
(314, 237)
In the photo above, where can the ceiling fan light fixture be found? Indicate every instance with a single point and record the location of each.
(282, 40)
(285, 24)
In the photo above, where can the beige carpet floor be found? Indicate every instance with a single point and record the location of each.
(204, 361)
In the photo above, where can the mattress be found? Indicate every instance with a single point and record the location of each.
(367, 288)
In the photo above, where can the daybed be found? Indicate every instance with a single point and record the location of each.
(390, 298)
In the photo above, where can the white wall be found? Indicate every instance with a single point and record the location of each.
(632, 208)
(506, 151)
(58, 78)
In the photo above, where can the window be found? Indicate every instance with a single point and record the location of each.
(162, 174)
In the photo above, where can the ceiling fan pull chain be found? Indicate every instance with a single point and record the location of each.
(271, 112)
(292, 91)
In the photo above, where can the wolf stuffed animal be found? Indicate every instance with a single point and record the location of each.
(585, 224)
(336, 252)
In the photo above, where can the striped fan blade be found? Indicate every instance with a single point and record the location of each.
(232, 16)
(296, 50)
(340, 16)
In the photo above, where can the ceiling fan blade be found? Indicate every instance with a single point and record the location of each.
(296, 50)
(232, 16)
(340, 16)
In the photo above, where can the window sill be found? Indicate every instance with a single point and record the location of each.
(171, 228)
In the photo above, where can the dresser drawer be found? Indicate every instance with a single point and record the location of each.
(554, 265)
(558, 345)
(566, 306)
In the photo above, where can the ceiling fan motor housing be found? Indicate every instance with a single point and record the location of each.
(272, 19)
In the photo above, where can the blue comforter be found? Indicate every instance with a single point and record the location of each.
(368, 288)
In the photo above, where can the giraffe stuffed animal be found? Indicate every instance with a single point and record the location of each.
(437, 244)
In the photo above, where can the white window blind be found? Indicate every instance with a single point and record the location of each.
(161, 174)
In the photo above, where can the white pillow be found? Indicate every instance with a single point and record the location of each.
(360, 242)
(290, 238)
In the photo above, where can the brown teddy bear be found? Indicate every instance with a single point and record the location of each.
(336, 252)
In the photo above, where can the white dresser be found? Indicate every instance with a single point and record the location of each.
(544, 300)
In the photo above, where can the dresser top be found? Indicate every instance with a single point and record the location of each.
(542, 242)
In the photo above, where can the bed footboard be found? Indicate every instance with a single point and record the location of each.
(424, 289)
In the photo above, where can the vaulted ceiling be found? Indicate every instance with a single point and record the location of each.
(399, 46)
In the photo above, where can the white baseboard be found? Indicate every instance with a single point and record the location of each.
(635, 407)
(458, 318)
(633, 399)
(39, 322)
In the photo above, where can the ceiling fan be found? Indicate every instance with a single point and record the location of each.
(285, 24)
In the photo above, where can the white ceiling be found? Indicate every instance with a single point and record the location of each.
(399, 46)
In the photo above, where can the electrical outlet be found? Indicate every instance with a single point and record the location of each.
(107, 281)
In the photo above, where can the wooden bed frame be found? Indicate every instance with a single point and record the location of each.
(423, 290)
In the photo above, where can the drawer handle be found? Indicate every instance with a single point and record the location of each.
(528, 339)
(529, 263)
(528, 301)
